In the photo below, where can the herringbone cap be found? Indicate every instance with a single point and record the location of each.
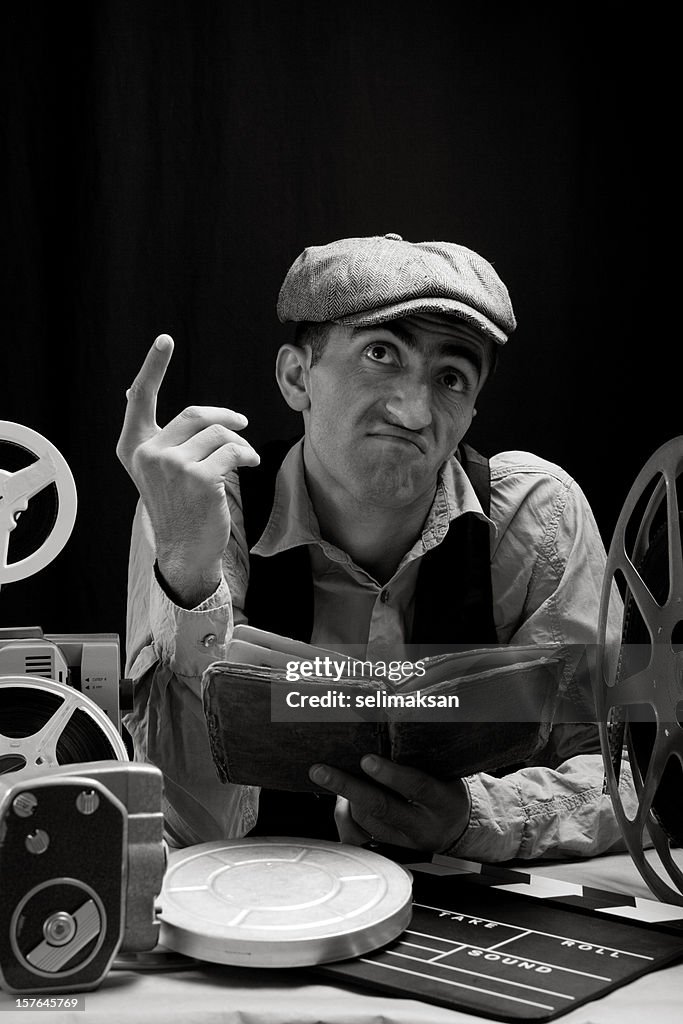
(362, 281)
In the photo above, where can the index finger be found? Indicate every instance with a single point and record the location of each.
(375, 810)
(141, 410)
(357, 791)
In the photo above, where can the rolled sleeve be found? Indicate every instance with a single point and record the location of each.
(540, 812)
(168, 650)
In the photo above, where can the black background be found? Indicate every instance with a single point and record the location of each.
(168, 161)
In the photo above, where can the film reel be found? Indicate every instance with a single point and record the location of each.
(639, 699)
(44, 723)
(42, 469)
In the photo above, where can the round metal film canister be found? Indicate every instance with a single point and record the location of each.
(281, 902)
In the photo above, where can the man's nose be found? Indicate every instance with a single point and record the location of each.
(410, 406)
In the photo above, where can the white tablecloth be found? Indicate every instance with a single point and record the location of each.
(227, 995)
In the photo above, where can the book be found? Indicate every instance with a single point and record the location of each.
(276, 706)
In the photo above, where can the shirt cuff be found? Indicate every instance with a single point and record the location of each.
(189, 640)
(450, 848)
(494, 831)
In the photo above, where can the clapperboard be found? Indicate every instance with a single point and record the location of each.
(513, 946)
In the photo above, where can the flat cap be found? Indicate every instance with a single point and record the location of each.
(363, 281)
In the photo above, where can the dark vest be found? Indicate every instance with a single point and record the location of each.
(453, 605)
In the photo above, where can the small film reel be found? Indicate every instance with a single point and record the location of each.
(639, 696)
(46, 724)
(37, 502)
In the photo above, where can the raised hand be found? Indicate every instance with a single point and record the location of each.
(180, 471)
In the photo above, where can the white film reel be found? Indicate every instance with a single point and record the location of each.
(44, 724)
(17, 489)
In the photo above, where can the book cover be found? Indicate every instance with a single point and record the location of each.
(278, 706)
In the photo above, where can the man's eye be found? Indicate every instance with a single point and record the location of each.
(454, 381)
(380, 353)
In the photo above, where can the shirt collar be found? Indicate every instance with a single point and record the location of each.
(293, 521)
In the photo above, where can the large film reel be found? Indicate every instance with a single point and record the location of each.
(35, 481)
(44, 723)
(639, 698)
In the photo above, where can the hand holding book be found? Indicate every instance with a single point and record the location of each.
(457, 714)
(396, 805)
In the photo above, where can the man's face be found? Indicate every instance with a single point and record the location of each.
(389, 404)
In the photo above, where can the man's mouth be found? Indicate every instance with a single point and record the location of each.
(401, 437)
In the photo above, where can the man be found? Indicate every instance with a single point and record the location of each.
(395, 341)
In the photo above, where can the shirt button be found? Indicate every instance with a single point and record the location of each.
(384, 596)
(209, 640)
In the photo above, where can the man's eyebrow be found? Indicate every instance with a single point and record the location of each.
(398, 330)
(455, 349)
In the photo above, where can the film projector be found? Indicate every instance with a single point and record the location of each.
(81, 851)
(85, 881)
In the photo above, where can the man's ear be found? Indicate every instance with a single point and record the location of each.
(292, 371)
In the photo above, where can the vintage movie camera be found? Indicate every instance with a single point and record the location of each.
(81, 864)
(82, 855)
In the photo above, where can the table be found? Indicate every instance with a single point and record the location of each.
(225, 995)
